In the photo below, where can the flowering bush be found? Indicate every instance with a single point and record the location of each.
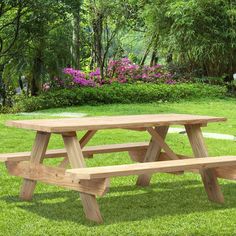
(79, 77)
(74, 78)
(125, 71)
(120, 71)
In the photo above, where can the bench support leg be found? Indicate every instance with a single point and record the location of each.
(76, 159)
(152, 154)
(209, 177)
(37, 156)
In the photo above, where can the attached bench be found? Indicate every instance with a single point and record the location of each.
(105, 172)
(151, 167)
(87, 151)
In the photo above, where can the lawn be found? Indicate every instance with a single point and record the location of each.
(172, 205)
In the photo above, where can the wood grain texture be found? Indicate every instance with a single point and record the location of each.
(75, 155)
(87, 151)
(37, 155)
(138, 155)
(74, 150)
(152, 154)
(87, 137)
(112, 122)
(223, 172)
(205, 163)
(55, 176)
(159, 139)
(110, 148)
(83, 141)
(226, 172)
(209, 177)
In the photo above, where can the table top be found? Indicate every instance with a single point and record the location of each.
(111, 122)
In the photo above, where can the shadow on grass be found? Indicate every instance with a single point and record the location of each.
(158, 200)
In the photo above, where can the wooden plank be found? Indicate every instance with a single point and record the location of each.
(86, 138)
(223, 172)
(83, 141)
(209, 177)
(75, 155)
(205, 163)
(55, 176)
(227, 172)
(110, 148)
(152, 154)
(136, 129)
(112, 122)
(37, 155)
(164, 157)
(137, 155)
(74, 150)
(87, 151)
(159, 139)
(25, 156)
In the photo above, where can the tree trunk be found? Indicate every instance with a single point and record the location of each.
(73, 46)
(97, 41)
(76, 43)
(37, 69)
(154, 58)
(2, 86)
(145, 56)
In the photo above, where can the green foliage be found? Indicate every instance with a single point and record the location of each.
(201, 34)
(38, 38)
(118, 93)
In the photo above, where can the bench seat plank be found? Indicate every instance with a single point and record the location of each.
(152, 167)
(89, 150)
(25, 156)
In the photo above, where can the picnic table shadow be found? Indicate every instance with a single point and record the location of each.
(180, 197)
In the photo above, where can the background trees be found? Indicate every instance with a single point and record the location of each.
(200, 34)
(39, 38)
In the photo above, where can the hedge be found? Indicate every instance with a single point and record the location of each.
(118, 93)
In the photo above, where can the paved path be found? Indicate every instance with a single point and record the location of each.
(206, 134)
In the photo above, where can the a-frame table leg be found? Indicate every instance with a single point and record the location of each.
(37, 156)
(208, 175)
(152, 154)
(83, 141)
(76, 159)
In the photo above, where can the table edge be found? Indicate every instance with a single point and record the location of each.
(13, 123)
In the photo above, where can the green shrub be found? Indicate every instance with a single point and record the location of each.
(5, 109)
(118, 93)
(209, 80)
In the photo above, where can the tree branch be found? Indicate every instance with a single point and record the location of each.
(17, 19)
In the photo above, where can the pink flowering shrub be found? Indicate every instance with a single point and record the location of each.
(119, 71)
(125, 71)
(79, 77)
(46, 87)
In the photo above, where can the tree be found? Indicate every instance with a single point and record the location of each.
(107, 19)
(201, 34)
(11, 13)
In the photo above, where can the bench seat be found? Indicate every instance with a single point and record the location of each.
(87, 151)
(151, 167)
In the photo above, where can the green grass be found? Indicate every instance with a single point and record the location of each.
(172, 205)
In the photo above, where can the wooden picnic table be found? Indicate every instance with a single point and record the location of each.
(94, 182)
